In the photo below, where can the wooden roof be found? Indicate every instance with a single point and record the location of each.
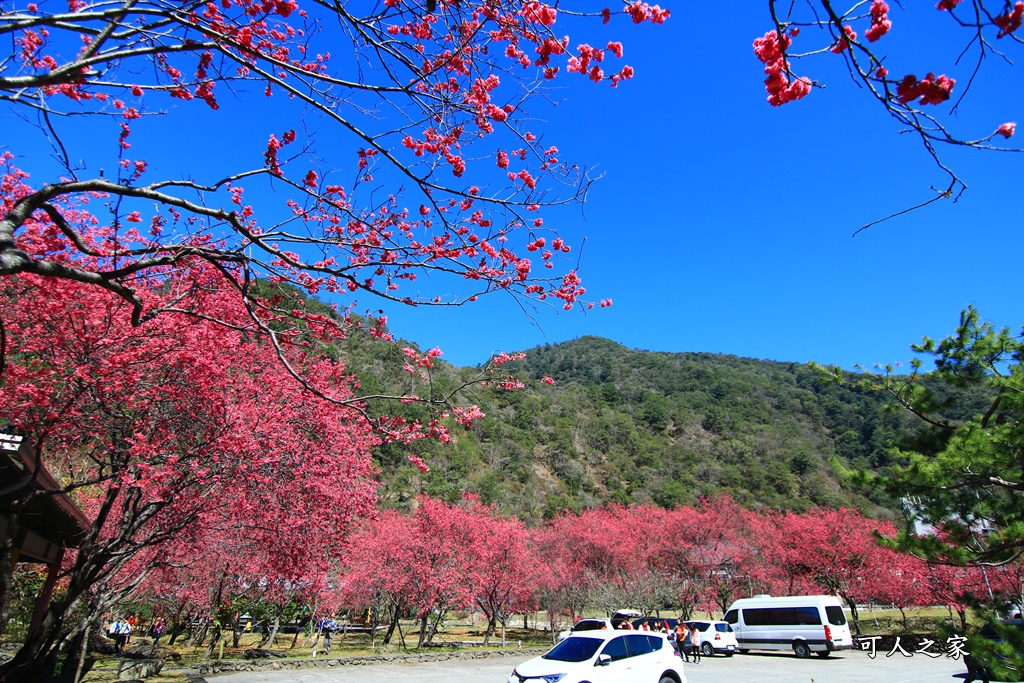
(50, 521)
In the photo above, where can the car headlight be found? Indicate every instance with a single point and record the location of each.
(550, 678)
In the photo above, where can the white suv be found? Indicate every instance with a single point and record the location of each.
(715, 637)
(605, 657)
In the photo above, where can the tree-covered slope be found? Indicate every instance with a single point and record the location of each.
(637, 426)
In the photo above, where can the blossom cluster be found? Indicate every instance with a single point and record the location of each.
(930, 90)
(1010, 20)
(771, 49)
(880, 23)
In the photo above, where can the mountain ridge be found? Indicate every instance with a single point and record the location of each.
(636, 426)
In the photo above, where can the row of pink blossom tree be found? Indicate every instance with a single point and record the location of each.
(443, 558)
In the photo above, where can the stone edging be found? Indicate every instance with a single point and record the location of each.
(197, 673)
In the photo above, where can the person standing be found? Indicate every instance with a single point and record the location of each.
(681, 635)
(685, 644)
(330, 625)
(158, 629)
(695, 643)
(131, 620)
(975, 669)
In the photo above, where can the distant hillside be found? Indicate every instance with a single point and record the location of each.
(639, 426)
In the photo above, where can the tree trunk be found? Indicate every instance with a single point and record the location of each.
(215, 638)
(265, 632)
(853, 614)
(199, 635)
(492, 624)
(74, 659)
(177, 625)
(395, 614)
(273, 631)
(374, 616)
(236, 630)
(33, 662)
(433, 627)
(423, 630)
(401, 636)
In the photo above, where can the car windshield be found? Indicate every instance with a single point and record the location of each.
(574, 649)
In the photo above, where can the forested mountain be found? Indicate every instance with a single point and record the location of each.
(638, 426)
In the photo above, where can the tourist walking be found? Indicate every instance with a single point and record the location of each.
(157, 630)
(119, 630)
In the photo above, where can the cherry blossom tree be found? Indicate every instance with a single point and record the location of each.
(418, 564)
(901, 580)
(957, 588)
(712, 547)
(503, 569)
(565, 589)
(834, 550)
(383, 569)
(170, 431)
(783, 568)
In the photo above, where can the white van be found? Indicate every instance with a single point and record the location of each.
(802, 623)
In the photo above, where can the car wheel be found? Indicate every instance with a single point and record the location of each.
(730, 653)
(667, 679)
(707, 649)
(801, 650)
(823, 653)
(744, 650)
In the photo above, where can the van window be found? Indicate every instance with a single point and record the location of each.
(807, 616)
(835, 615)
(755, 617)
(732, 616)
(782, 616)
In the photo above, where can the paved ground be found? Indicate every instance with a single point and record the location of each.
(849, 667)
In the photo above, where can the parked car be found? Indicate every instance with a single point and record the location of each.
(616, 622)
(716, 637)
(609, 656)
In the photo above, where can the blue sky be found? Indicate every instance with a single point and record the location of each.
(722, 224)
